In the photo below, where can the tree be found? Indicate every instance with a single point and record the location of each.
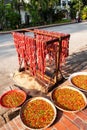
(16, 7)
(9, 16)
(40, 10)
(12, 17)
(2, 13)
(84, 13)
(84, 2)
(76, 5)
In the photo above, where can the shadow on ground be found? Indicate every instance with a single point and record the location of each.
(75, 62)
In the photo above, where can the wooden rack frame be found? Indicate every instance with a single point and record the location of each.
(48, 81)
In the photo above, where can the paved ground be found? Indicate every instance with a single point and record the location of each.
(75, 62)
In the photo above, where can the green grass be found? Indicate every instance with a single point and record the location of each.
(63, 21)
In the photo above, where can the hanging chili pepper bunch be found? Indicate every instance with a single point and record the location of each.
(33, 52)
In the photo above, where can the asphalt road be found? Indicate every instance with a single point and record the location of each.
(8, 55)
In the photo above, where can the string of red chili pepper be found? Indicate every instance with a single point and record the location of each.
(31, 53)
(20, 46)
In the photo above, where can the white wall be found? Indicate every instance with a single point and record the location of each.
(22, 12)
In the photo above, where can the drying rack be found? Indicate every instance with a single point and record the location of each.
(55, 47)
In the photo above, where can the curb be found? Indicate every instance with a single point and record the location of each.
(37, 27)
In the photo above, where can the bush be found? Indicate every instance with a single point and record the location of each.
(84, 13)
(84, 17)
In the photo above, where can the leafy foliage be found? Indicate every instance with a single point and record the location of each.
(84, 13)
(41, 11)
(2, 13)
(9, 17)
(84, 2)
(76, 6)
(12, 17)
(81, 6)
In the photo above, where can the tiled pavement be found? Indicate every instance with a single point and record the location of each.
(74, 63)
(63, 124)
(64, 121)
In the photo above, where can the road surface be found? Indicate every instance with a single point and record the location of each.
(8, 55)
